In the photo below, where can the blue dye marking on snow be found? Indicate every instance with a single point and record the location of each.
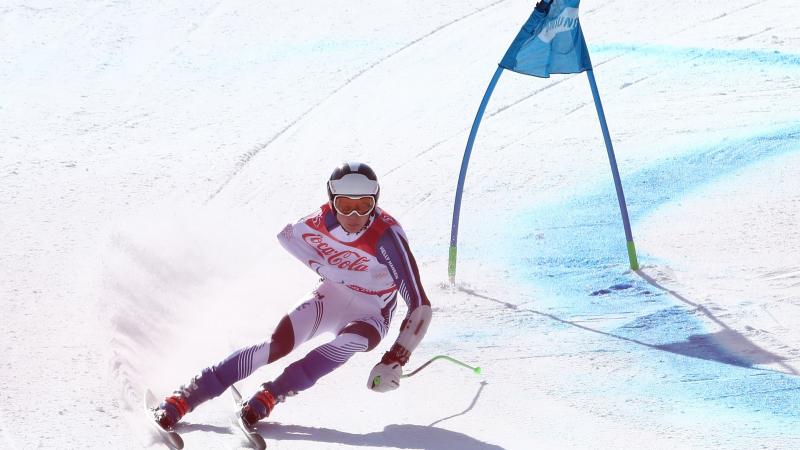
(762, 58)
(575, 254)
(616, 287)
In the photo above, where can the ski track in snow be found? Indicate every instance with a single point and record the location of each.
(248, 156)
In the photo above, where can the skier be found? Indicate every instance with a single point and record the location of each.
(362, 256)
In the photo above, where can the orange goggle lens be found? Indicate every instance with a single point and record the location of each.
(347, 206)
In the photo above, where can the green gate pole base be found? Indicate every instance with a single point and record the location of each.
(632, 256)
(451, 267)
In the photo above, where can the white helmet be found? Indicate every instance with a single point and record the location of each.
(353, 179)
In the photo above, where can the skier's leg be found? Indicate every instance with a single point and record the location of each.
(360, 335)
(360, 328)
(302, 374)
(214, 380)
(302, 323)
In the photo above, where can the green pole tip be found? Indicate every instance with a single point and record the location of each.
(477, 370)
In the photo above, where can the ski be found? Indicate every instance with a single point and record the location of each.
(252, 434)
(171, 438)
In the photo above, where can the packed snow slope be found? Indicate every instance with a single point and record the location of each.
(150, 151)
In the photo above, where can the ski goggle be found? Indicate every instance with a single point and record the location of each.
(360, 206)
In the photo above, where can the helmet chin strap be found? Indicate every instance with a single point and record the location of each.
(366, 225)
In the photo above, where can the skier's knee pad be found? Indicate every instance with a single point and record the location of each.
(282, 340)
(365, 330)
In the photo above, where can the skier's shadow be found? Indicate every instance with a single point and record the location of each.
(395, 436)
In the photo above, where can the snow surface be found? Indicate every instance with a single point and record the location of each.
(150, 151)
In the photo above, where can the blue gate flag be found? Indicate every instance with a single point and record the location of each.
(549, 42)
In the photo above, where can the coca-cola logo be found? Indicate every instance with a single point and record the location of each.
(343, 259)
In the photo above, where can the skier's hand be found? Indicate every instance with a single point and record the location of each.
(385, 376)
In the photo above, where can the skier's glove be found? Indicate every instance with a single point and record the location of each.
(385, 376)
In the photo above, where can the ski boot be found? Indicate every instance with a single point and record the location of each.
(171, 411)
(201, 388)
(259, 406)
(174, 407)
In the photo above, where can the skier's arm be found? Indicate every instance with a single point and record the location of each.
(291, 240)
(394, 252)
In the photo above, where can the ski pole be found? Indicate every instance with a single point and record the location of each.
(477, 370)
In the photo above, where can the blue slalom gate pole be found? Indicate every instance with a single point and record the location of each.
(451, 268)
(614, 171)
